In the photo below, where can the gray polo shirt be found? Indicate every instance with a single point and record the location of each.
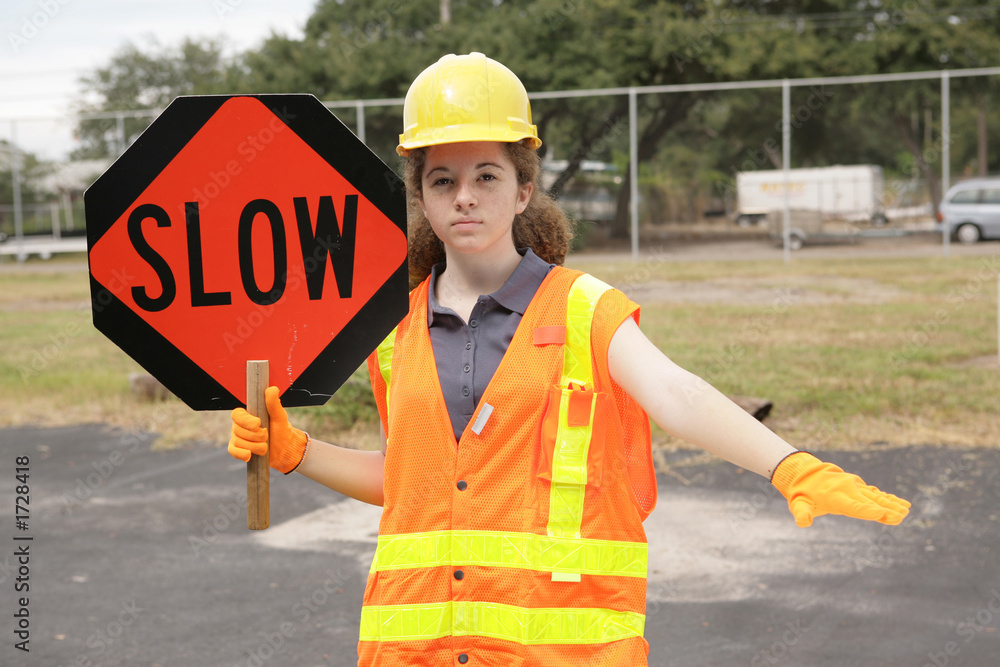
(467, 355)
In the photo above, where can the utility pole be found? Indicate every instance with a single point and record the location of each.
(983, 160)
(15, 172)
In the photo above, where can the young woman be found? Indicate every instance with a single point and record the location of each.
(515, 400)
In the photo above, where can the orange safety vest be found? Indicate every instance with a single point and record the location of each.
(522, 543)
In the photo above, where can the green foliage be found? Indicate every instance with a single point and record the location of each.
(354, 49)
(149, 78)
(30, 169)
(352, 404)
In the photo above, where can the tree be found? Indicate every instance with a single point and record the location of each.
(887, 124)
(143, 79)
(365, 50)
(354, 49)
(928, 36)
(30, 169)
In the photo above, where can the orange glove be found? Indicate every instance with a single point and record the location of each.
(814, 488)
(287, 444)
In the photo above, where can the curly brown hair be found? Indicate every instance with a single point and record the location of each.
(543, 226)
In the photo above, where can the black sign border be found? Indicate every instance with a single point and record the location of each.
(122, 184)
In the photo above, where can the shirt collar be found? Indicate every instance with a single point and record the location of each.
(514, 295)
(520, 288)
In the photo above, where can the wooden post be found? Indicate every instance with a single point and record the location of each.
(258, 468)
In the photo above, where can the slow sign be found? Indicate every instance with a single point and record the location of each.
(243, 229)
(247, 227)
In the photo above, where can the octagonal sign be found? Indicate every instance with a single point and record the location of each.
(247, 227)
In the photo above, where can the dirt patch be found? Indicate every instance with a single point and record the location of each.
(45, 306)
(797, 290)
(734, 249)
(985, 361)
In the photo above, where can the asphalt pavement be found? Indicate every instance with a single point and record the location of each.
(142, 557)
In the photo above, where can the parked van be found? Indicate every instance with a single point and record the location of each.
(970, 210)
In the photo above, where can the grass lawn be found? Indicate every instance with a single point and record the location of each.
(853, 352)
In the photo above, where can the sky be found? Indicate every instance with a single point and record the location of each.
(46, 45)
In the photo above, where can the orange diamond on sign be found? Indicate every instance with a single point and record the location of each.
(247, 227)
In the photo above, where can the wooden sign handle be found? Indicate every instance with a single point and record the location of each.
(258, 468)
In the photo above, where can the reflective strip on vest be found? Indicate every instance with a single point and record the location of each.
(526, 551)
(384, 352)
(569, 457)
(408, 622)
(580, 307)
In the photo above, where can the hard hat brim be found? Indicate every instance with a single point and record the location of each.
(404, 147)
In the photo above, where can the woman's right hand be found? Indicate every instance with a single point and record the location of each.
(287, 444)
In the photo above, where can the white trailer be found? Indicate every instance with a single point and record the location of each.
(852, 193)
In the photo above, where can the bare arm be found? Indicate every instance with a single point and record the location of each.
(686, 406)
(355, 473)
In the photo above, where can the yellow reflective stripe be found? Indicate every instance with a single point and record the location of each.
(526, 551)
(565, 510)
(569, 461)
(572, 444)
(384, 353)
(580, 307)
(567, 625)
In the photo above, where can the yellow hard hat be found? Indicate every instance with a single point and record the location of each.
(466, 98)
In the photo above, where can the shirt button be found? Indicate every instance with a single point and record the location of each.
(467, 368)
(465, 391)
(473, 323)
(459, 574)
(462, 658)
(468, 346)
(461, 485)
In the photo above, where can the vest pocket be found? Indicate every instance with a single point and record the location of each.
(572, 439)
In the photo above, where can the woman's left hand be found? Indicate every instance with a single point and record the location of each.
(814, 488)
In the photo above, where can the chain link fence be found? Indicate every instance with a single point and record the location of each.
(625, 177)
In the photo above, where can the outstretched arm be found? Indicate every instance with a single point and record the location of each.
(683, 404)
(686, 406)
